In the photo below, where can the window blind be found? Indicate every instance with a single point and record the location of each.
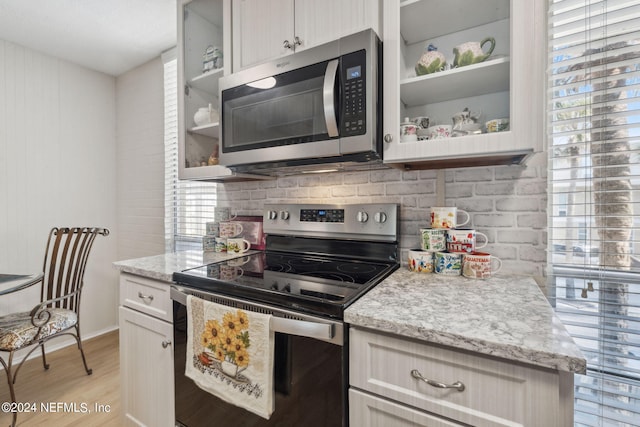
(188, 204)
(594, 177)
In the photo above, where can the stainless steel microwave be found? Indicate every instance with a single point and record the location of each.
(313, 110)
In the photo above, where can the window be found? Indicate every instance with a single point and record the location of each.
(594, 179)
(188, 204)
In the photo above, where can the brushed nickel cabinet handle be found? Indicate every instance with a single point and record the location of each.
(287, 45)
(457, 385)
(145, 297)
(166, 344)
(388, 138)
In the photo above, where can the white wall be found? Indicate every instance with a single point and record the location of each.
(57, 168)
(140, 161)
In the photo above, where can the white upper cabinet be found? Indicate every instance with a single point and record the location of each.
(260, 29)
(508, 84)
(266, 30)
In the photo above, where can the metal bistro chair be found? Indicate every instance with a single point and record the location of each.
(58, 312)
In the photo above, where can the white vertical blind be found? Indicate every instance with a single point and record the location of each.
(188, 204)
(594, 239)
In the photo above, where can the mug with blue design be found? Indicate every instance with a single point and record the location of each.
(448, 263)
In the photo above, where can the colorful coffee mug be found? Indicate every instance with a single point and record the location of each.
(448, 263)
(238, 245)
(465, 240)
(447, 217)
(433, 239)
(480, 265)
(221, 214)
(230, 229)
(221, 244)
(421, 261)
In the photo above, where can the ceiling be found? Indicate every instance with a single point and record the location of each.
(111, 36)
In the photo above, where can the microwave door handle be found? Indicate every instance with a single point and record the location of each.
(328, 97)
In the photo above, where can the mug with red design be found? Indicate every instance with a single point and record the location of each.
(480, 265)
(465, 240)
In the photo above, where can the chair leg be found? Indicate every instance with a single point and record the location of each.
(44, 358)
(84, 360)
(10, 381)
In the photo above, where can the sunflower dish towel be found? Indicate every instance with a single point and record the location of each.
(230, 354)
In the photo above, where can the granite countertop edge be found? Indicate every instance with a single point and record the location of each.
(506, 316)
(161, 267)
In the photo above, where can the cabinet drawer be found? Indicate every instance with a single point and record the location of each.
(146, 295)
(371, 411)
(496, 392)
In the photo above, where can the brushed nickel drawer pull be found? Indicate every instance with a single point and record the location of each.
(457, 385)
(166, 344)
(145, 297)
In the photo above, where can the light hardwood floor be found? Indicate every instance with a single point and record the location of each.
(66, 387)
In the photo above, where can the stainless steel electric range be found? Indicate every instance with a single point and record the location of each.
(319, 259)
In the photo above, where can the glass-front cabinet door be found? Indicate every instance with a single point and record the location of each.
(471, 74)
(202, 44)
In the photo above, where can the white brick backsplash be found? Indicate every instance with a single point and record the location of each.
(386, 175)
(518, 235)
(517, 204)
(532, 188)
(355, 178)
(535, 221)
(344, 191)
(456, 191)
(507, 203)
(495, 189)
(533, 253)
(417, 187)
(473, 204)
(473, 174)
(371, 190)
(493, 220)
(515, 172)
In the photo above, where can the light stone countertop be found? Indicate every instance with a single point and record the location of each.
(162, 267)
(506, 316)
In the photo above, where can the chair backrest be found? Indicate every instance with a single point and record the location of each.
(65, 260)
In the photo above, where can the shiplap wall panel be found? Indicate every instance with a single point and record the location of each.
(57, 168)
(140, 139)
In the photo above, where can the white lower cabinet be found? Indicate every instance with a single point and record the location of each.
(491, 391)
(146, 352)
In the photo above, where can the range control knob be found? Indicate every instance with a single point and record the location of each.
(380, 217)
(273, 215)
(362, 216)
(284, 215)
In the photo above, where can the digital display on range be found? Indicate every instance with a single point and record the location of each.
(322, 215)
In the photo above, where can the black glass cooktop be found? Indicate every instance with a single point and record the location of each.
(316, 284)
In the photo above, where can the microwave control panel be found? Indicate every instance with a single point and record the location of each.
(354, 94)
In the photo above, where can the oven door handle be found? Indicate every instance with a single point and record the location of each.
(322, 331)
(328, 97)
(303, 328)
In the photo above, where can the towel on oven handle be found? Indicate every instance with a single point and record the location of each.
(230, 354)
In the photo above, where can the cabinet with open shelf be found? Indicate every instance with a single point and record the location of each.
(201, 26)
(509, 84)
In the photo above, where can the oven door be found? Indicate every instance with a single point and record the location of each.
(310, 371)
